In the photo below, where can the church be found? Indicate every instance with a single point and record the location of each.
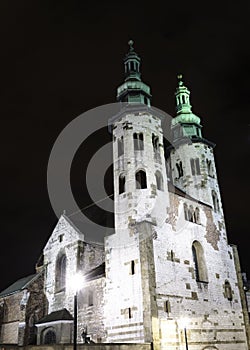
(167, 276)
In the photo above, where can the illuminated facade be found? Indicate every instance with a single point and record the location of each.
(169, 257)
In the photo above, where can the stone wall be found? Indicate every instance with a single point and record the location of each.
(107, 346)
(20, 311)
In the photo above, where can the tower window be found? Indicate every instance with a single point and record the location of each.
(215, 201)
(228, 291)
(195, 166)
(183, 99)
(191, 214)
(61, 273)
(186, 212)
(179, 169)
(120, 147)
(145, 100)
(122, 181)
(155, 142)
(199, 262)
(141, 179)
(129, 312)
(159, 180)
(197, 215)
(210, 168)
(138, 141)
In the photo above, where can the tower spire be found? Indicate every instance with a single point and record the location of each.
(186, 123)
(133, 90)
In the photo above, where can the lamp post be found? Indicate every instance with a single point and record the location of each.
(185, 334)
(183, 323)
(75, 321)
(76, 283)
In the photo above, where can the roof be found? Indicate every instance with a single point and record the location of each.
(60, 315)
(19, 285)
(173, 189)
(95, 273)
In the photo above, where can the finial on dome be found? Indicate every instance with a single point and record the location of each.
(131, 43)
(179, 77)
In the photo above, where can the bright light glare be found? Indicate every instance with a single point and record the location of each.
(76, 282)
(183, 322)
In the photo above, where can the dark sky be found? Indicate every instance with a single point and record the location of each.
(61, 58)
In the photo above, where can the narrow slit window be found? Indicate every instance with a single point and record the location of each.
(179, 169)
(155, 142)
(122, 182)
(186, 211)
(167, 306)
(159, 181)
(197, 164)
(200, 269)
(215, 201)
(90, 298)
(132, 267)
(192, 166)
(120, 147)
(228, 291)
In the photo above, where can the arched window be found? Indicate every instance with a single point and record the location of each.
(199, 262)
(138, 141)
(61, 272)
(122, 181)
(197, 215)
(159, 180)
(141, 179)
(228, 291)
(191, 214)
(215, 201)
(49, 337)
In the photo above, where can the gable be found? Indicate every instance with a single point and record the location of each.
(65, 232)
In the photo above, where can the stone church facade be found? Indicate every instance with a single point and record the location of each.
(169, 258)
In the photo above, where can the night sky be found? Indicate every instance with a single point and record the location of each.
(61, 58)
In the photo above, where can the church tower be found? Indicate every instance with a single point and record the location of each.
(141, 198)
(169, 258)
(191, 158)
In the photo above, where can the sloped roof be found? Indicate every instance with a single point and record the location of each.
(173, 189)
(19, 285)
(97, 272)
(60, 315)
